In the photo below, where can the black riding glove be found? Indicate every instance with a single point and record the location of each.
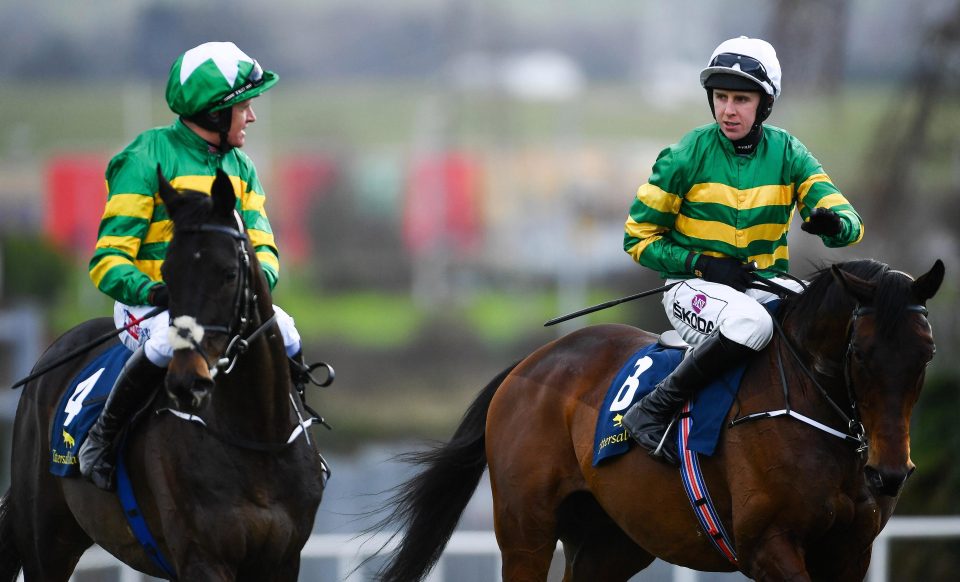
(158, 295)
(729, 272)
(822, 221)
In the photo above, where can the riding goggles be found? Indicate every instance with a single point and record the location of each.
(254, 79)
(742, 63)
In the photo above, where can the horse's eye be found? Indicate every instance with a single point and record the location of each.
(230, 274)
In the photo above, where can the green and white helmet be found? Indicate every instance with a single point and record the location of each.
(214, 76)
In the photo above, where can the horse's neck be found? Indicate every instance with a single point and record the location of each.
(255, 397)
(821, 350)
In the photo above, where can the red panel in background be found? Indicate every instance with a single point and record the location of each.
(76, 193)
(441, 204)
(301, 181)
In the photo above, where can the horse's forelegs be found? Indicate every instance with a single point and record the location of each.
(778, 559)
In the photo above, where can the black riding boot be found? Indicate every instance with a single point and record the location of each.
(647, 420)
(97, 456)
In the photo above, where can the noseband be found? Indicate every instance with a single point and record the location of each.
(243, 305)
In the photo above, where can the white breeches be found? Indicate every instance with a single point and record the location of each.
(697, 309)
(152, 333)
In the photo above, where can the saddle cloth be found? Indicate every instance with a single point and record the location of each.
(80, 406)
(638, 376)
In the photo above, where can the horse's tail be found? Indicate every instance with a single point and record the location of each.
(428, 506)
(10, 563)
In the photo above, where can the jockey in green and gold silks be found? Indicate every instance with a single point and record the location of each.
(703, 198)
(210, 88)
(135, 229)
(715, 213)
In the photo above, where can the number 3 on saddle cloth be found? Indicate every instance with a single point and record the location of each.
(80, 406)
(639, 376)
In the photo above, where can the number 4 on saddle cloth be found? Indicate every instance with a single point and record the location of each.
(639, 376)
(80, 406)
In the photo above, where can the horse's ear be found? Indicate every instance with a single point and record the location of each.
(167, 192)
(926, 285)
(861, 290)
(224, 198)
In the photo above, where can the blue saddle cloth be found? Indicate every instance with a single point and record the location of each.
(80, 406)
(638, 376)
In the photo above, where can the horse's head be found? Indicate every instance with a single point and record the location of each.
(889, 343)
(208, 272)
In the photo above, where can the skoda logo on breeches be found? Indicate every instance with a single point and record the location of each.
(692, 317)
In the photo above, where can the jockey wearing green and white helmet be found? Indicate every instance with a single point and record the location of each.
(713, 215)
(210, 88)
(205, 84)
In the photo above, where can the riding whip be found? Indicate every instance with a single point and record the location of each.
(608, 304)
(86, 348)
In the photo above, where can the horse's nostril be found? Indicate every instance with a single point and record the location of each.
(887, 482)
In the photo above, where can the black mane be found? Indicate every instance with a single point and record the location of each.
(825, 296)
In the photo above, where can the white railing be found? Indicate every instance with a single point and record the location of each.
(349, 550)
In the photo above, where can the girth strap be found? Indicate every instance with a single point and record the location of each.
(696, 487)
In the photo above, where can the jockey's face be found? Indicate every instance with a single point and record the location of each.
(243, 115)
(735, 111)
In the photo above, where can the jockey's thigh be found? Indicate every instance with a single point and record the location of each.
(291, 337)
(150, 333)
(697, 309)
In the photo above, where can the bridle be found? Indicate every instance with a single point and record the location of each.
(244, 303)
(855, 432)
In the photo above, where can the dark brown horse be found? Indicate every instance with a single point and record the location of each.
(799, 504)
(231, 500)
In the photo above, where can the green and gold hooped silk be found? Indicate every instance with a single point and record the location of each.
(702, 198)
(135, 229)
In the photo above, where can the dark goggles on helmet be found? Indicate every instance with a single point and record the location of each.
(254, 79)
(745, 64)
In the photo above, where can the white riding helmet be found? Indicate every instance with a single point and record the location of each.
(751, 59)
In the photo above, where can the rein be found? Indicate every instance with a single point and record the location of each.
(243, 307)
(243, 303)
(856, 433)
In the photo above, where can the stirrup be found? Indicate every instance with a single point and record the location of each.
(658, 452)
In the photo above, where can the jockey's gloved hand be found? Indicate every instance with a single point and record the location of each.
(822, 221)
(158, 295)
(727, 271)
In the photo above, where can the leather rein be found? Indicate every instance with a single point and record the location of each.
(855, 432)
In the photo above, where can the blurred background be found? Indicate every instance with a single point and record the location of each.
(445, 175)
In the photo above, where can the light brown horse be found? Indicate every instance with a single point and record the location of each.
(799, 503)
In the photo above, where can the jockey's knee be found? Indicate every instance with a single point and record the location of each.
(751, 327)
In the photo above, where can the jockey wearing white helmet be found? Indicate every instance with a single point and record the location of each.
(714, 215)
(745, 64)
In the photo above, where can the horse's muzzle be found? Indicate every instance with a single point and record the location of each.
(188, 379)
(886, 481)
